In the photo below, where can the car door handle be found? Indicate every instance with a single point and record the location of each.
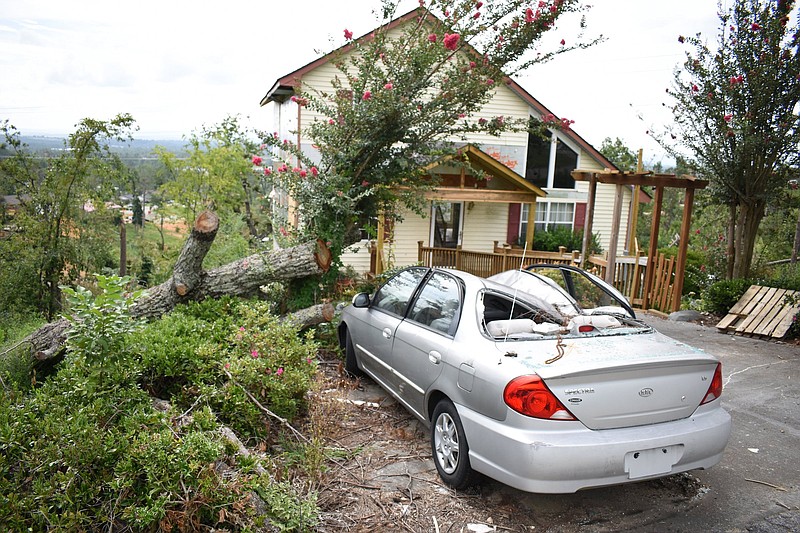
(434, 357)
(387, 333)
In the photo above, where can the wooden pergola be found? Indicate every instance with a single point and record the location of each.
(637, 180)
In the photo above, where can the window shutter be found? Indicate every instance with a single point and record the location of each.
(512, 234)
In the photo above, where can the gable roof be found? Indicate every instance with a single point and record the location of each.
(284, 87)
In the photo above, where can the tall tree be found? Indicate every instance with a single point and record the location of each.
(217, 173)
(735, 115)
(619, 154)
(402, 95)
(50, 226)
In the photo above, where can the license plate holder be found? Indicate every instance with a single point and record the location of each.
(653, 461)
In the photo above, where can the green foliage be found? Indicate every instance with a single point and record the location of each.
(722, 295)
(619, 154)
(550, 240)
(53, 238)
(100, 323)
(735, 114)
(86, 450)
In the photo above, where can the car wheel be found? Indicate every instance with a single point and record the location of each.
(350, 363)
(450, 448)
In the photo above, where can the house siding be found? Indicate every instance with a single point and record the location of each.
(484, 223)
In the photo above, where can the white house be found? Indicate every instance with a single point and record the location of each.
(528, 171)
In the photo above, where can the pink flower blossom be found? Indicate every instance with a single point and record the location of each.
(227, 366)
(490, 81)
(482, 121)
(461, 115)
(267, 171)
(695, 88)
(446, 12)
(308, 360)
(365, 183)
(451, 41)
(432, 37)
(348, 34)
(736, 79)
(366, 96)
(563, 42)
(476, 15)
(254, 354)
(303, 173)
(472, 64)
(257, 160)
(314, 172)
(241, 328)
(331, 121)
(478, 5)
(275, 135)
(755, 27)
(283, 231)
(727, 118)
(388, 86)
(279, 371)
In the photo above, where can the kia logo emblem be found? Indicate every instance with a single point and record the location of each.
(645, 392)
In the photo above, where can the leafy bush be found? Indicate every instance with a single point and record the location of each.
(720, 296)
(550, 240)
(697, 277)
(86, 450)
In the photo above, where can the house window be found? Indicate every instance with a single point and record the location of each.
(537, 167)
(550, 162)
(549, 215)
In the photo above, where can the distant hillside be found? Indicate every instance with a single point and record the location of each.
(135, 148)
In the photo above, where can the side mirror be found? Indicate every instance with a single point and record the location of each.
(361, 300)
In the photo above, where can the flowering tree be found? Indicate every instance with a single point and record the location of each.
(735, 110)
(403, 94)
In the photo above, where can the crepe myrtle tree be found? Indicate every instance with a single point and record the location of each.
(399, 101)
(735, 115)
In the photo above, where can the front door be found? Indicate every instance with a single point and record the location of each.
(447, 223)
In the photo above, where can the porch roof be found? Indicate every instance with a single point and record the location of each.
(516, 190)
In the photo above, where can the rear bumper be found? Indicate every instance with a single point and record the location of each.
(564, 457)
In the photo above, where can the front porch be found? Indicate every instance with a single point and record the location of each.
(630, 272)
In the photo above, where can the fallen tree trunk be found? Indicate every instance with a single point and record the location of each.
(311, 316)
(189, 282)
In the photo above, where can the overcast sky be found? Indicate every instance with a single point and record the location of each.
(176, 65)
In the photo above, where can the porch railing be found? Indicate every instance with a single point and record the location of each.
(629, 272)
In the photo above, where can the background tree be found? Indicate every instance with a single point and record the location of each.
(619, 154)
(54, 238)
(217, 174)
(400, 100)
(735, 112)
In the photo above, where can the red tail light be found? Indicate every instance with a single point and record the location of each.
(531, 397)
(715, 389)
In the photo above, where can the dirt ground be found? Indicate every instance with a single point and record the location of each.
(386, 479)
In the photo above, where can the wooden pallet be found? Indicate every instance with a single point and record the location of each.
(762, 312)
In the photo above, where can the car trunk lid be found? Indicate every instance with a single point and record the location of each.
(625, 381)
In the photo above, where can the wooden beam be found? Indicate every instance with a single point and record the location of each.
(644, 179)
(683, 248)
(481, 195)
(529, 231)
(587, 223)
(653, 248)
(615, 225)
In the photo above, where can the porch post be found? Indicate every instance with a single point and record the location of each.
(587, 223)
(531, 225)
(683, 246)
(650, 273)
(612, 247)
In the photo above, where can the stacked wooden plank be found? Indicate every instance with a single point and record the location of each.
(762, 312)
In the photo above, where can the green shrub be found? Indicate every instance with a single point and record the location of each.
(720, 296)
(550, 240)
(86, 450)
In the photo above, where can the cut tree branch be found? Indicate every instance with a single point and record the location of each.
(190, 282)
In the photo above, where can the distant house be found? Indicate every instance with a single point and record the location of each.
(10, 204)
(528, 175)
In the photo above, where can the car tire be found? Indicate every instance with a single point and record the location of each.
(350, 362)
(450, 448)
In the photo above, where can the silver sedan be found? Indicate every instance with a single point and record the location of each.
(541, 379)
